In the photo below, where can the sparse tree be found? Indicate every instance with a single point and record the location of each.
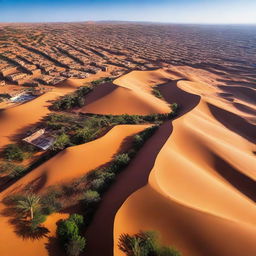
(76, 246)
(29, 204)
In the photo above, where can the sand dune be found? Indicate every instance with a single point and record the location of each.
(120, 100)
(73, 162)
(191, 231)
(193, 182)
(16, 120)
(130, 94)
(200, 191)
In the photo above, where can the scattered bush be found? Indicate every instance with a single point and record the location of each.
(101, 81)
(144, 244)
(76, 246)
(61, 142)
(157, 93)
(84, 135)
(72, 100)
(98, 185)
(91, 197)
(13, 152)
(12, 170)
(120, 162)
(68, 231)
(140, 138)
(49, 203)
(174, 108)
(78, 219)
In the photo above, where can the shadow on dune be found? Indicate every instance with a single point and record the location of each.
(172, 93)
(135, 176)
(241, 93)
(99, 92)
(242, 83)
(22, 227)
(100, 233)
(237, 179)
(53, 247)
(234, 123)
(244, 108)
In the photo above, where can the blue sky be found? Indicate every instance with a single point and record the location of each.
(173, 11)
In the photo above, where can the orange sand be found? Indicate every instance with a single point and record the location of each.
(200, 192)
(76, 161)
(132, 95)
(71, 163)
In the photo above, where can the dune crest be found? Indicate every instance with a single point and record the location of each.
(76, 161)
(130, 94)
(199, 194)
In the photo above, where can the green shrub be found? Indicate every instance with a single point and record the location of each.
(50, 203)
(72, 100)
(84, 135)
(12, 170)
(91, 197)
(168, 251)
(137, 141)
(157, 93)
(141, 138)
(13, 152)
(61, 142)
(104, 174)
(144, 244)
(101, 81)
(174, 107)
(76, 246)
(77, 218)
(120, 162)
(67, 230)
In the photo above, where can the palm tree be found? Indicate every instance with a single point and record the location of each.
(131, 245)
(29, 204)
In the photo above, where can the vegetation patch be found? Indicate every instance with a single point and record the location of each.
(12, 170)
(102, 80)
(157, 93)
(145, 243)
(69, 234)
(72, 100)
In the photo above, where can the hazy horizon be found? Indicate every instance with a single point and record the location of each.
(164, 11)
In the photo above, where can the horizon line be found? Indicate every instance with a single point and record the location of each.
(129, 21)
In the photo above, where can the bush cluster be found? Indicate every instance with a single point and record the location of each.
(145, 244)
(68, 232)
(13, 152)
(72, 100)
(101, 81)
(157, 93)
(12, 170)
(50, 202)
